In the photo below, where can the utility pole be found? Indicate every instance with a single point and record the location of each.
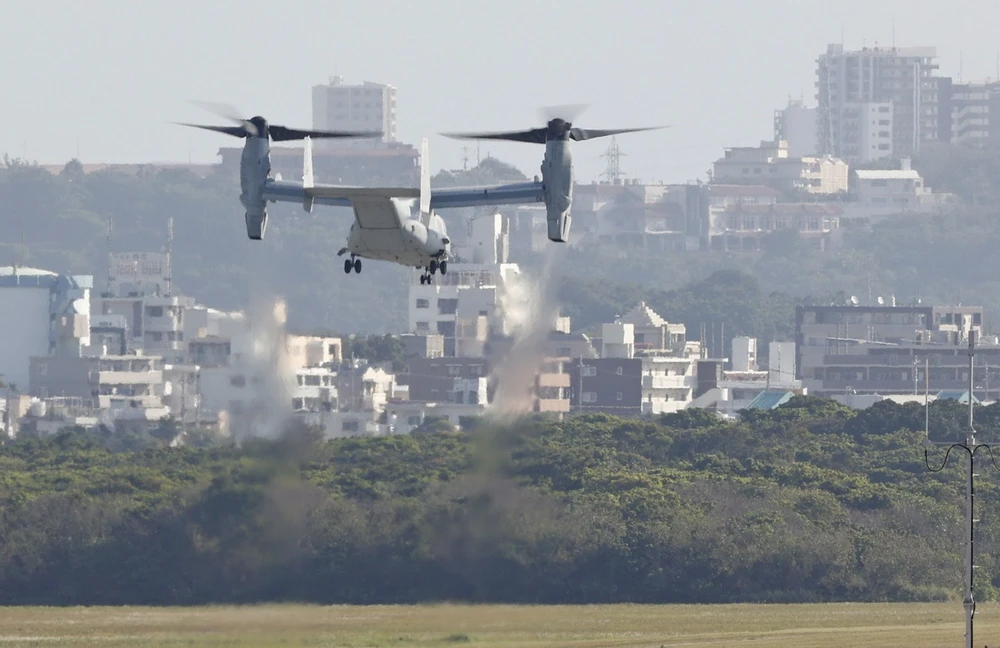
(971, 446)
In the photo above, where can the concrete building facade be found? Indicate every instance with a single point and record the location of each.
(366, 107)
(853, 86)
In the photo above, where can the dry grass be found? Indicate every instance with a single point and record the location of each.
(779, 626)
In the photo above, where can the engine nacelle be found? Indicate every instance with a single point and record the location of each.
(557, 175)
(559, 223)
(255, 166)
(256, 224)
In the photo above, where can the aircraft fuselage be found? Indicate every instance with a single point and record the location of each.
(412, 244)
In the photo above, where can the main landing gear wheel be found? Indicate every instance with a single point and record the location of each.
(348, 266)
(444, 267)
(433, 267)
(357, 266)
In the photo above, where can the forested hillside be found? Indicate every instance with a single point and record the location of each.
(63, 220)
(810, 502)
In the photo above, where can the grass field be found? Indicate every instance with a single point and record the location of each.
(801, 626)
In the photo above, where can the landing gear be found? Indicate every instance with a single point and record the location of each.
(444, 267)
(357, 266)
(352, 264)
(433, 267)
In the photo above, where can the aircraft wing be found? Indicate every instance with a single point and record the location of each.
(449, 198)
(373, 206)
(333, 195)
(511, 194)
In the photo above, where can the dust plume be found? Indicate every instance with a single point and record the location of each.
(530, 309)
(270, 379)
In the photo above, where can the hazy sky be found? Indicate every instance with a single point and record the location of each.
(104, 77)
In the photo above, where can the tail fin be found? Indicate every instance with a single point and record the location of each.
(307, 163)
(425, 181)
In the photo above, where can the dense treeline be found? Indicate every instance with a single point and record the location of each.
(810, 502)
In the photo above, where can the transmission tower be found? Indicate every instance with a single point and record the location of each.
(613, 172)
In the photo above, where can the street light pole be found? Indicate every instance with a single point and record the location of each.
(971, 446)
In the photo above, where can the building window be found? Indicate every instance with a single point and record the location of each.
(447, 306)
(154, 311)
(620, 371)
(454, 370)
(564, 352)
(423, 303)
(590, 371)
(423, 326)
(589, 397)
(238, 380)
(350, 426)
(619, 395)
(413, 420)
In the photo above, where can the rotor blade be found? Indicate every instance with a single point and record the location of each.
(225, 111)
(568, 112)
(235, 131)
(534, 136)
(581, 134)
(283, 134)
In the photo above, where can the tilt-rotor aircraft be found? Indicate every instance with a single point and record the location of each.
(384, 228)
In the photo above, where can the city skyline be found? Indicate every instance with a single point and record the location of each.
(108, 86)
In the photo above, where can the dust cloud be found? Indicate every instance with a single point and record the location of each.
(270, 379)
(530, 309)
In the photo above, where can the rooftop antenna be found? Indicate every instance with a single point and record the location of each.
(971, 447)
(465, 158)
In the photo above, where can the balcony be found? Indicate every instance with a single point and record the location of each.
(665, 382)
(554, 380)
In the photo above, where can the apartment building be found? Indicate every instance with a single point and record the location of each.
(882, 348)
(894, 87)
(770, 164)
(367, 106)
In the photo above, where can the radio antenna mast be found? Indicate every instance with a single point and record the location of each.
(971, 446)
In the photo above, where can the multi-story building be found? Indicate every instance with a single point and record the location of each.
(139, 290)
(969, 106)
(855, 86)
(840, 347)
(770, 164)
(365, 107)
(744, 226)
(796, 125)
(606, 385)
(41, 313)
(899, 190)
(474, 287)
(111, 382)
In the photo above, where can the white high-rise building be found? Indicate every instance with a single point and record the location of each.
(467, 302)
(796, 125)
(366, 107)
(849, 84)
